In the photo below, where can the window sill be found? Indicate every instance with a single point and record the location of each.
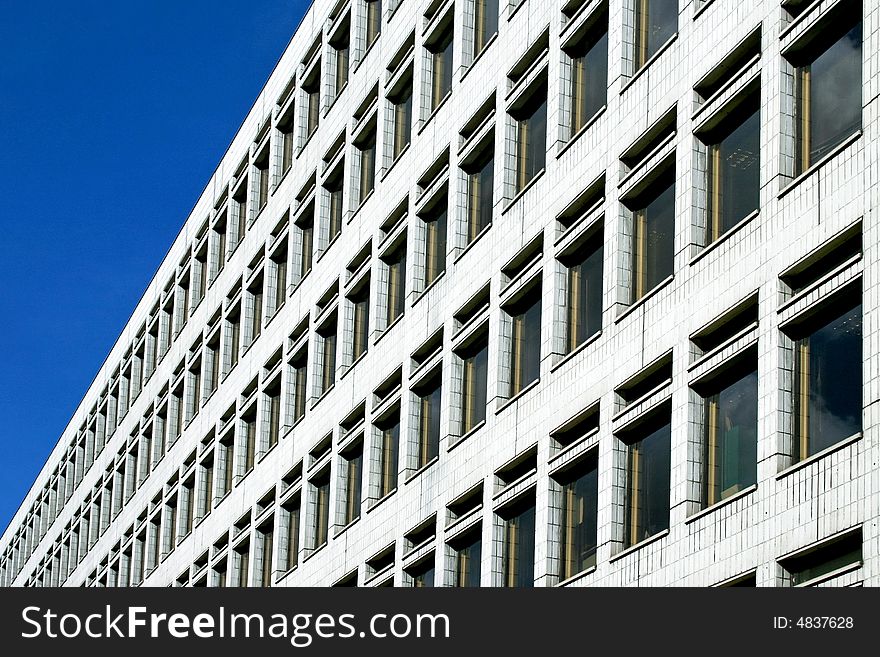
(324, 251)
(421, 295)
(843, 570)
(574, 352)
(818, 456)
(345, 528)
(730, 500)
(335, 99)
(580, 575)
(388, 328)
(524, 190)
(353, 363)
(725, 237)
(662, 49)
(701, 9)
(308, 140)
(323, 395)
(287, 572)
(263, 455)
(470, 67)
(361, 205)
(460, 439)
(518, 396)
(511, 11)
(315, 551)
(381, 500)
(367, 51)
(422, 469)
(280, 181)
(580, 133)
(638, 546)
(470, 244)
(434, 112)
(645, 297)
(834, 152)
(384, 174)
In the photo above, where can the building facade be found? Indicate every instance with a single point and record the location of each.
(506, 293)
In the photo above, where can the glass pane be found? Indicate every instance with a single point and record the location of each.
(831, 88)
(388, 465)
(475, 388)
(654, 237)
(435, 252)
(589, 81)
(732, 439)
(647, 498)
(526, 348)
(828, 371)
(734, 167)
(467, 564)
(519, 549)
(656, 22)
(429, 426)
(585, 297)
(485, 23)
(532, 144)
(579, 523)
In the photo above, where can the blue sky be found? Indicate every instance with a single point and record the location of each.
(113, 115)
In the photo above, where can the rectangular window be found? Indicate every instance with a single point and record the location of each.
(480, 196)
(578, 519)
(390, 442)
(354, 462)
(829, 94)
(731, 438)
(468, 552)
(328, 358)
(266, 537)
(584, 307)
(249, 441)
(313, 106)
(656, 22)
(485, 23)
(322, 512)
(279, 263)
(242, 564)
(340, 73)
(262, 183)
(285, 127)
(518, 547)
(734, 174)
(653, 240)
(525, 347)
(273, 400)
(435, 245)
(360, 321)
(256, 311)
(474, 386)
(233, 339)
(441, 68)
(828, 380)
(335, 214)
(367, 169)
(429, 423)
(374, 20)
(225, 453)
(647, 484)
(396, 284)
(825, 559)
(299, 375)
(531, 139)
(402, 121)
(589, 79)
(212, 366)
(291, 524)
(241, 214)
(423, 574)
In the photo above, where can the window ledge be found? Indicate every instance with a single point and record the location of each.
(701, 9)
(266, 453)
(834, 152)
(641, 302)
(574, 352)
(384, 174)
(524, 190)
(421, 295)
(360, 206)
(422, 469)
(287, 572)
(470, 244)
(818, 456)
(305, 144)
(460, 439)
(843, 570)
(323, 395)
(580, 575)
(729, 500)
(335, 99)
(315, 551)
(576, 136)
(353, 363)
(381, 500)
(517, 396)
(388, 328)
(662, 49)
(345, 528)
(470, 67)
(638, 546)
(434, 112)
(324, 251)
(280, 180)
(725, 237)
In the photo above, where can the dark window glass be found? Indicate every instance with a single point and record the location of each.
(531, 143)
(734, 184)
(435, 246)
(585, 295)
(360, 322)
(656, 22)
(467, 562)
(485, 23)
(402, 122)
(578, 521)
(828, 383)
(396, 285)
(429, 425)
(441, 74)
(829, 97)
(368, 166)
(322, 513)
(328, 361)
(518, 557)
(480, 198)
(525, 353)
(731, 427)
(474, 387)
(654, 233)
(353, 474)
(589, 80)
(825, 559)
(647, 485)
(335, 219)
(423, 575)
(388, 459)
